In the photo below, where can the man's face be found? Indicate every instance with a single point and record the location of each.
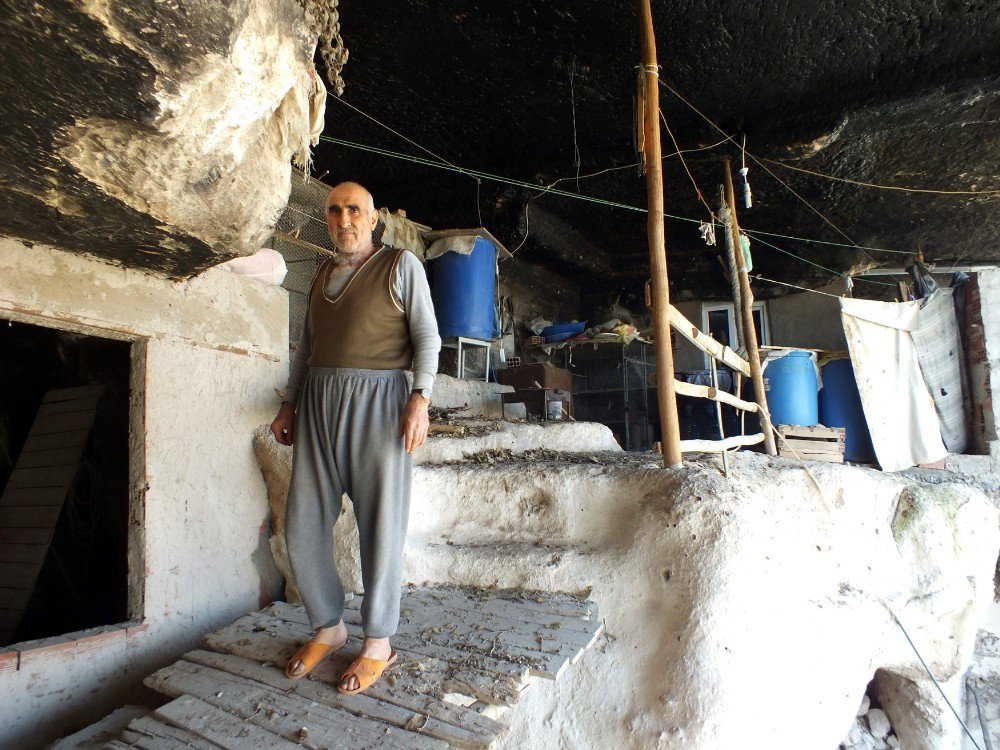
(350, 219)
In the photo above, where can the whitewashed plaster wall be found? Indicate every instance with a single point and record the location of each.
(212, 348)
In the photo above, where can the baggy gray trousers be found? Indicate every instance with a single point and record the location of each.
(347, 439)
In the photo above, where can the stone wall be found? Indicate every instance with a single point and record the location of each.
(207, 354)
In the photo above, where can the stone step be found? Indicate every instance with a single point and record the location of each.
(518, 437)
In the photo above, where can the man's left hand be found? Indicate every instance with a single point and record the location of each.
(414, 422)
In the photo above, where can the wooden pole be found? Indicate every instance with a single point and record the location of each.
(669, 425)
(746, 312)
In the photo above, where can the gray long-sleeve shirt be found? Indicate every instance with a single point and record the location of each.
(414, 295)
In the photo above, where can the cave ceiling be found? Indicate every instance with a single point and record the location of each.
(893, 93)
(898, 93)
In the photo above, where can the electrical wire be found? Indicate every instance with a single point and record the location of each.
(579, 196)
(792, 286)
(393, 131)
(496, 178)
(478, 175)
(823, 242)
(773, 175)
(820, 174)
(443, 163)
(633, 165)
(565, 193)
(876, 186)
(817, 265)
(931, 675)
(677, 146)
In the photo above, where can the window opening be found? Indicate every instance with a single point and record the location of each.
(718, 321)
(64, 481)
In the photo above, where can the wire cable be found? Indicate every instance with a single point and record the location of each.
(764, 167)
(792, 286)
(532, 186)
(393, 131)
(861, 183)
(817, 265)
(677, 146)
(820, 174)
(566, 193)
(933, 678)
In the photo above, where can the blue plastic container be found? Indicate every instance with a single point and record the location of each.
(840, 406)
(562, 331)
(464, 292)
(792, 389)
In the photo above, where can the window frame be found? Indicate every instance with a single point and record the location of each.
(710, 307)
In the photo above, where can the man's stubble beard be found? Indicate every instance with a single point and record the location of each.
(343, 259)
(346, 256)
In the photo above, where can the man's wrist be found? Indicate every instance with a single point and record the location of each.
(424, 393)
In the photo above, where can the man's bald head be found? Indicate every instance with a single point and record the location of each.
(356, 187)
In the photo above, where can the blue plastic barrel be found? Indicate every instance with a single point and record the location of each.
(840, 406)
(792, 389)
(463, 290)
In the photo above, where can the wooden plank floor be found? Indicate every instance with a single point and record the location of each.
(465, 656)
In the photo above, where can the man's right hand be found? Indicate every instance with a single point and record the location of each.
(283, 425)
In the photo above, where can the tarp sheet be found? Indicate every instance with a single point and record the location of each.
(898, 406)
(940, 352)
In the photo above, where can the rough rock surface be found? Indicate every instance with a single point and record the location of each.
(899, 92)
(480, 399)
(155, 134)
(718, 594)
(276, 465)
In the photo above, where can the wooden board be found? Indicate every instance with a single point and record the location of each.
(718, 446)
(65, 439)
(234, 693)
(814, 446)
(284, 714)
(268, 638)
(506, 612)
(149, 734)
(25, 536)
(224, 729)
(713, 394)
(33, 496)
(70, 394)
(811, 431)
(461, 729)
(68, 406)
(812, 443)
(22, 553)
(67, 422)
(525, 602)
(53, 457)
(706, 343)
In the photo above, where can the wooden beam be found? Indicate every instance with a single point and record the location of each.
(746, 310)
(705, 391)
(669, 424)
(303, 244)
(718, 446)
(706, 343)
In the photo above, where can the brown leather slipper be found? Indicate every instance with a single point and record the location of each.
(309, 656)
(366, 671)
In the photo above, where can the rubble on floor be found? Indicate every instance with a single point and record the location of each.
(871, 729)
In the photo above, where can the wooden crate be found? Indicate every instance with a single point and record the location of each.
(812, 443)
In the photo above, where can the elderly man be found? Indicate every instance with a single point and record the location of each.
(355, 422)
